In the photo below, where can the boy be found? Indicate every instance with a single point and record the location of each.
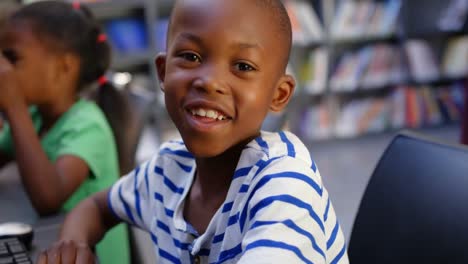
(227, 193)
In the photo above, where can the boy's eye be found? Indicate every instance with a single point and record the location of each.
(10, 55)
(244, 67)
(190, 57)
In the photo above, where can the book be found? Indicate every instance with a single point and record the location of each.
(421, 60)
(365, 19)
(316, 71)
(373, 117)
(343, 19)
(374, 27)
(316, 122)
(455, 59)
(297, 30)
(305, 23)
(454, 16)
(397, 116)
(360, 19)
(447, 105)
(310, 22)
(350, 69)
(389, 21)
(380, 68)
(431, 112)
(413, 116)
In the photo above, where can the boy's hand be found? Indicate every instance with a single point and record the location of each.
(10, 93)
(67, 252)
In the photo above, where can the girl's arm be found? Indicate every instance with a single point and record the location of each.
(83, 228)
(48, 184)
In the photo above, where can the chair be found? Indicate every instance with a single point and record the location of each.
(133, 110)
(128, 111)
(415, 207)
(139, 110)
(464, 118)
(127, 139)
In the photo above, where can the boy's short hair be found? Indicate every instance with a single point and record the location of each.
(279, 14)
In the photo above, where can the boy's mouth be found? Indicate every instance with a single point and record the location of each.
(208, 113)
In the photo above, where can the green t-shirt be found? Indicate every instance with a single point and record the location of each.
(84, 132)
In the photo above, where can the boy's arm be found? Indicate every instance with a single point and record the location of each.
(83, 228)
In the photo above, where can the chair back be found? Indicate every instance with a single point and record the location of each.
(127, 139)
(415, 207)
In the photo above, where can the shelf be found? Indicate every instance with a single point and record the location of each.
(304, 92)
(383, 87)
(363, 40)
(434, 35)
(114, 4)
(313, 44)
(436, 82)
(114, 8)
(385, 133)
(164, 7)
(125, 61)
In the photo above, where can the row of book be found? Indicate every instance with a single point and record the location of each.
(403, 107)
(305, 23)
(353, 19)
(381, 65)
(365, 19)
(368, 67)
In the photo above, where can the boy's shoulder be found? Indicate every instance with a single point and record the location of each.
(175, 149)
(274, 145)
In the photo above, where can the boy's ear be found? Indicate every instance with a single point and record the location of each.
(283, 92)
(160, 62)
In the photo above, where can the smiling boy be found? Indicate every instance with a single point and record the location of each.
(226, 193)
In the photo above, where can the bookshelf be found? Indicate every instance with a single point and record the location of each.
(377, 66)
(352, 58)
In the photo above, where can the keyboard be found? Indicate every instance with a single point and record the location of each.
(13, 251)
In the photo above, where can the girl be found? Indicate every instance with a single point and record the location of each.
(63, 145)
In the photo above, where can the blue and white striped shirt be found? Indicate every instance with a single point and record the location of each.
(276, 209)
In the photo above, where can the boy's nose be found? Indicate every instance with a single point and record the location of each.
(210, 82)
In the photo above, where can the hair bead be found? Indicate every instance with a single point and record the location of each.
(102, 80)
(76, 5)
(101, 38)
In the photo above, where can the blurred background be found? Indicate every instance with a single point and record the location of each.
(365, 70)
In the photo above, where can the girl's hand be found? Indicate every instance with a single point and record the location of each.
(10, 92)
(67, 252)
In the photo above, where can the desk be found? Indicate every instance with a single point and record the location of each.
(15, 206)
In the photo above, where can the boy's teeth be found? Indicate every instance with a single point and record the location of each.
(201, 112)
(211, 114)
(207, 113)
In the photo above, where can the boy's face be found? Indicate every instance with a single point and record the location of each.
(222, 73)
